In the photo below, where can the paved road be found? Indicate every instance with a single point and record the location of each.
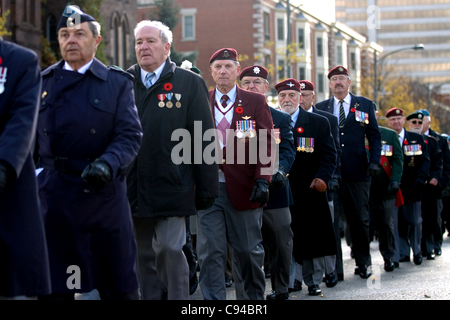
(429, 281)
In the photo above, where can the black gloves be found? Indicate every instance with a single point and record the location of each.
(333, 184)
(260, 192)
(97, 174)
(204, 203)
(3, 177)
(393, 188)
(279, 179)
(373, 169)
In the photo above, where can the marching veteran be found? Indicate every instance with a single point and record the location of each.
(246, 161)
(88, 132)
(170, 179)
(313, 168)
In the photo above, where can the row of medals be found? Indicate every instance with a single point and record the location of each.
(169, 103)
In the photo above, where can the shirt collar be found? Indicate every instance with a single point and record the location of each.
(156, 76)
(294, 116)
(402, 134)
(231, 95)
(347, 100)
(82, 70)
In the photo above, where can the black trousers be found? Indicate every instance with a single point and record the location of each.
(354, 196)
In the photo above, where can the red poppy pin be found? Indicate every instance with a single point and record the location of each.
(239, 110)
(426, 141)
(405, 141)
(1, 60)
(299, 129)
(168, 86)
(352, 109)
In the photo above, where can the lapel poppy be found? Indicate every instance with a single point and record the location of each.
(239, 110)
(352, 109)
(405, 141)
(168, 86)
(299, 129)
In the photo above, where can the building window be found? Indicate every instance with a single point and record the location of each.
(301, 38)
(280, 29)
(188, 24)
(266, 26)
(339, 59)
(281, 70)
(51, 29)
(302, 73)
(320, 84)
(320, 47)
(353, 61)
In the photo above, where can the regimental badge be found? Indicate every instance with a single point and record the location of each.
(245, 129)
(178, 97)
(169, 103)
(226, 54)
(256, 70)
(277, 134)
(161, 97)
(3, 71)
(246, 118)
(412, 149)
(305, 144)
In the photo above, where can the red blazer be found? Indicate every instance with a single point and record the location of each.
(240, 175)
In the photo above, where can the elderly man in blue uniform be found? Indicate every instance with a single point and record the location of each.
(443, 182)
(334, 268)
(314, 165)
(416, 168)
(277, 232)
(430, 225)
(88, 132)
(24, 270)
(244, 126)
(357, 122)
(163, 187)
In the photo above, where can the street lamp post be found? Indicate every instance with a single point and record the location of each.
(375, 66)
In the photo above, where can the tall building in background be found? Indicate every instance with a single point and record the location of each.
(401, 24)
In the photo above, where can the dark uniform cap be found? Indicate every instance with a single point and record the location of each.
(338, 70)
(306, 85)
(224, 54)
(288, 84)
(415, 115)
(254, 71)
(72, 16)
(394, 112)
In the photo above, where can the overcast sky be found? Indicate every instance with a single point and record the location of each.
(323, 9)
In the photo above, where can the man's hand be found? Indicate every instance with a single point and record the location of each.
(373, 169)
(204, 203)
(318, 185)
(434, 182)
(393, 187)
(278, 179)
(97, 174)
(260, 192)
(333, 185)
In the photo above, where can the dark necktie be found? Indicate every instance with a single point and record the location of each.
(341, 114)
(224, 124)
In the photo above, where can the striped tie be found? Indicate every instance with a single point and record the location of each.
(148, 79)
(341, 114)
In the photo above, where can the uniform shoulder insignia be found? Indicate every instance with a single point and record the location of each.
(120, 70)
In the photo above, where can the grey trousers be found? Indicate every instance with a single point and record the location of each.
(313, 270)
(278, 241)
(242, 229)
(334, 264)
(411, 235)
(163, 270)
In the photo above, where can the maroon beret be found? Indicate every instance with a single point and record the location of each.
(224, 54)
(254, 71)
(288, 84)
(394, 112)
(306, 85)
(338, 70)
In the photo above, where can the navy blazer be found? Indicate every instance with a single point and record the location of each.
(354, 158)
(282, 197)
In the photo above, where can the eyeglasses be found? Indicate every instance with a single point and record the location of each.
(340, 78)
(416, 122)
(255, 82)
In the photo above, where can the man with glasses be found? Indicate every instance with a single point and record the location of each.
(357, 122)
(430, 225)
(334, 269)
(416, 167)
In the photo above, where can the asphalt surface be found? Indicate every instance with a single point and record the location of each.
(428, 281)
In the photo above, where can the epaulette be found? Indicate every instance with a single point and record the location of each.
(119, 69)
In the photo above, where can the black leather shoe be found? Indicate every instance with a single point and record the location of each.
(363, 273)
(274, 296)
(397, 265)
(438, 252)
(331, 280)
(228, 281)
(431, 256)
(418, 259)
(297, 286)
(340, 276)
(314, 290)
(389, 265)
(404, 259)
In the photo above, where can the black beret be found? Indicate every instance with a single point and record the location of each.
(72, 16)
